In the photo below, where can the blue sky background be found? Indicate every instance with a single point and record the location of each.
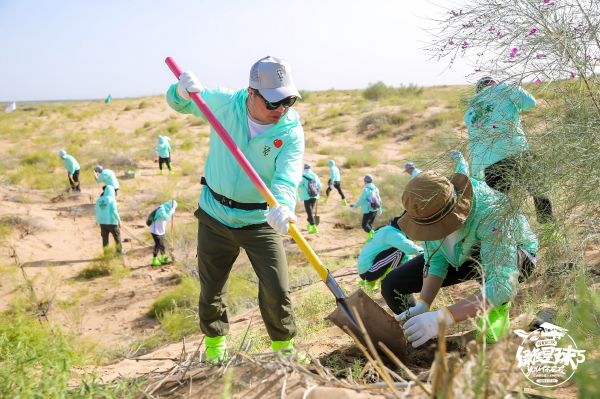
(67, 49)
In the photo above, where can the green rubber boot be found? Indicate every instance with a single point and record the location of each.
(155, 261)
(287, 349)
(312, 229)
(369, 286)
(495, 323)
(164, 260)
(345, 202)
(216, 350)
(370, 235)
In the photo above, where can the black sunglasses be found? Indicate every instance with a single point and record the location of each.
(286, 102)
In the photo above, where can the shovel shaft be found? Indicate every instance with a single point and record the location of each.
(251, 173)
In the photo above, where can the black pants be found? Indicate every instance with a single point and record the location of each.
(106, 229)
(367, 221)
(501, 175)
(407, 279)
(159, 244)
(309, 207)
(74, 180)
(104, 188)
(338, 187)
(390, 257)
(164, 160)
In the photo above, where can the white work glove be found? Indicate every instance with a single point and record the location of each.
(279, 218)
(456, 155)
(423, 327)
(188, 83)
(419, 308)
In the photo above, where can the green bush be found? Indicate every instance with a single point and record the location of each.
(106, 265)
(380, 123)
(36, 362)
(379, 90)
(185, 295)
(358, 160)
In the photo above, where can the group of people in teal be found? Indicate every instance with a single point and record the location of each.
(107, 209)
(449, 226)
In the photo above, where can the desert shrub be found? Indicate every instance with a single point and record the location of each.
(379, 90)
(36, 361)
(359, 159)
(106, 265)
(380, 123)
(184, 296)
(142, 105)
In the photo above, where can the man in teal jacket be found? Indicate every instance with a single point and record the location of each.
(389, 248)
(164, 153)
(310, 188)
(72, 167)
(370, 205)
(158, 220)
(411, 170)
(497, 145)
(107, 177)
(335, 181)
(107, 216)
(465, 226)
(232, 213)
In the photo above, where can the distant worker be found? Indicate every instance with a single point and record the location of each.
(335, 182)
(107, 216)
(157, 221)
(498, 147)
(72, 167)
(370, 205)
(164, 153)
(232, 214)
(410, 169)
(388, 249)
(310, 189)
(107, 177)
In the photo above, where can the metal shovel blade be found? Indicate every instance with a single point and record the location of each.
(380, 325)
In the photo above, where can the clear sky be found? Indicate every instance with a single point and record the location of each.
(80, 49)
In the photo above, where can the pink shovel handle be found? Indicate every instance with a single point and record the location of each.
(233, 148)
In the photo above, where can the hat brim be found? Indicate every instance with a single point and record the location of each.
(449, 223)
(279, 93)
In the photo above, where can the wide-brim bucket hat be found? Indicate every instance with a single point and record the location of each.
(435, 206)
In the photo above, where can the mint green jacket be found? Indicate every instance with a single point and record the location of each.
(276, 155)
(71, 164)
(163, 148)
(107, 211)
(334, 171)
(499, 232)
(109, 178)
(304, 185)
(165, 211)
(363, 200)
(389, 236)
(494, 125)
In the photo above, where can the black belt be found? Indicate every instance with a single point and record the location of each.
(223, 200)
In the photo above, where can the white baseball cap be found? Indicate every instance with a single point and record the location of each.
(272, 77)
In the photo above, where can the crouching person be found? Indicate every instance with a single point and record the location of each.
(157, 221)
(107, 216)
(468, 233)
(388, 249)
